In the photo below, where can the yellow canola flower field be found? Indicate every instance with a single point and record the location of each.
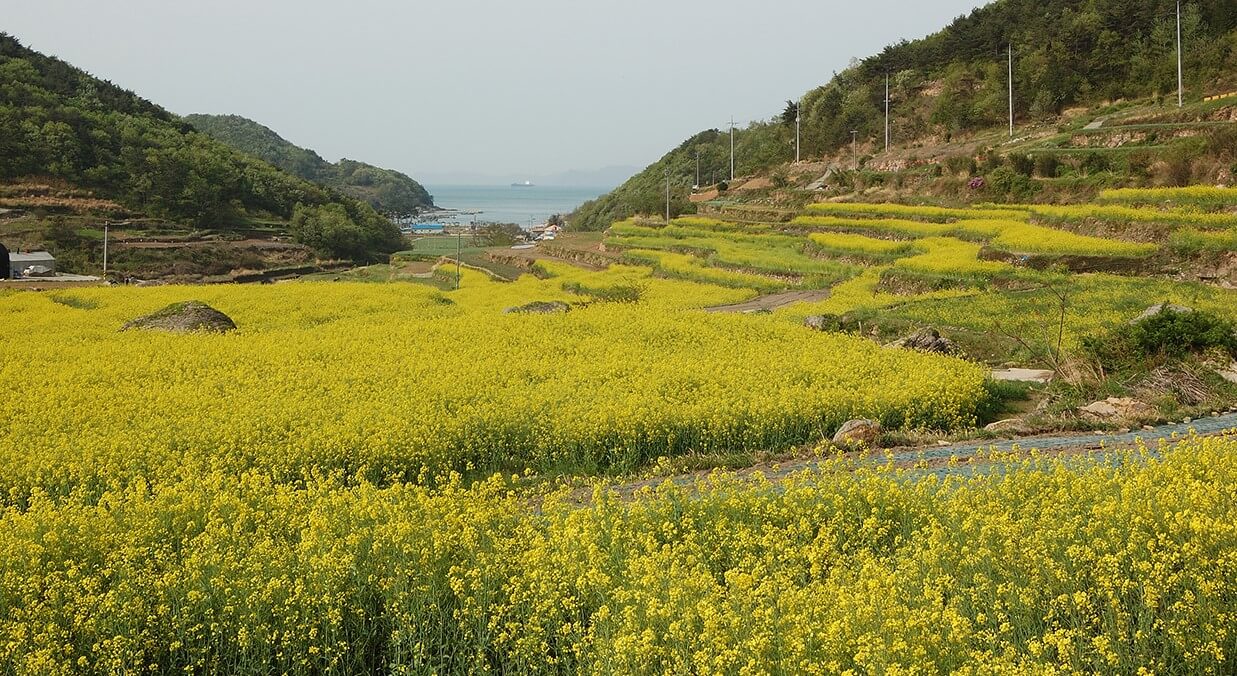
(388, 381)
(927, 213)
(1203, 196)
(1121, 564)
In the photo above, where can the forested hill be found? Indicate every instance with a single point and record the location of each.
(58, 121)
(1066, 53)
(386, 190)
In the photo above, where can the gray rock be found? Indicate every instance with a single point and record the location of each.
(1157, 309)
(860, 433)
(1007, 426)
(1119, 408)
(926, 340)
(823, 322)
(187, 317)
(539, 307)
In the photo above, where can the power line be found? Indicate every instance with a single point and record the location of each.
(798, 117)
(1180, 77)
(731, 147)
(886, 112)
(1011, 90)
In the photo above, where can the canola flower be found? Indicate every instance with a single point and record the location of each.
(303, 496)
(847, 243)
(385, 381)
(946, 255)
(927, 213)
(758, 251)
(1201, 196)
(1118, 564)
(1037, 239)
(1125, 216)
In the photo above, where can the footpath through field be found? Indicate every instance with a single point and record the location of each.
(967, 458)
(773, 301)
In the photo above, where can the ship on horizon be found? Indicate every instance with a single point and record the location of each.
(525, 184)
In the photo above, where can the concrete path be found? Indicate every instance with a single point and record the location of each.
(773, 301)
(1098, 122)
(937, 460)
(1022, 375)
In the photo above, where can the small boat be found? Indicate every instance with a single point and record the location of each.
(525, 184)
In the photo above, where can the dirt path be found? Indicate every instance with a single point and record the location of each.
(959, 459)
(773, 301)
(538, 254)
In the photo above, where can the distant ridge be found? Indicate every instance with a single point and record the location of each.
(952, 82)
(59, 122)
(386, 190)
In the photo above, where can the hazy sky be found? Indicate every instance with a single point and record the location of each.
(519, 87)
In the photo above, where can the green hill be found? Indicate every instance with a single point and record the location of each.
(386, 190)
(953, 84)
(59, 122)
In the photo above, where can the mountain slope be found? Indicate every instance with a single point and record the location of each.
(1066, 53)
(386, 190)
(58, 121)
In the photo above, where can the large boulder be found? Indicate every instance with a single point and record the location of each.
(1119, 409)
(926, 340)
(860, 433)
(539, 307)
(187, 317)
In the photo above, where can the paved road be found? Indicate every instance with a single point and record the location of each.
(1083, 443)
(938, 457)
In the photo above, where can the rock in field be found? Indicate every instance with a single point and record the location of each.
(187, 317)
(1157, 309)
(823, 322)
(1115, 409)
(1007, 426)
(926, 340)
(539, 307)
(858, 433)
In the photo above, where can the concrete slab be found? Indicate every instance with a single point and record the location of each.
(1022, 375)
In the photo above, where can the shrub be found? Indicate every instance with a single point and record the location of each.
(1004, 181)
(1166, 335)
(960, 164)
(1046, 166)
(1023, 164)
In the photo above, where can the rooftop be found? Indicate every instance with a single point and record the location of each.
(32, 257)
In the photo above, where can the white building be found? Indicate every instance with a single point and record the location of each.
(33, 264)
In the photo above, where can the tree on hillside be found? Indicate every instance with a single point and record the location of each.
(790, 113)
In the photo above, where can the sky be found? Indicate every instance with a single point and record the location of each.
(456, 87)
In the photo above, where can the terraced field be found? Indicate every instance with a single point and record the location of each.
(966, 268)
(382, 477)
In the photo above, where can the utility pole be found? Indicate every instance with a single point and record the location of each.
(798, 117)
(732, 148)
(105, 235)
(459, 244)
(1011, 90)
(886, 112)
(1180, 78)
(697, 168)
(854, 147)
(667, 195)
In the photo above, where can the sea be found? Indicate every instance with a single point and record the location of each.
(524, 206)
